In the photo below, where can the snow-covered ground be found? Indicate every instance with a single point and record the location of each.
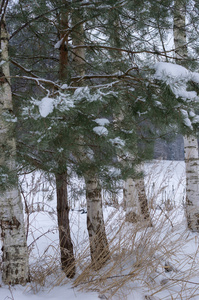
(140, 257)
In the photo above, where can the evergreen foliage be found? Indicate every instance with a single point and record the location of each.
(123, 40)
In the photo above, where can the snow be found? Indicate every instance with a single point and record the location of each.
(84, 92)
(192, 114)
(171, 70)
(65, 101)
(102, 121)
(176, 77)
(195, 77)
(187, 121)
(100, 130)
(57, 293)
(114, 172)
(90, 154)
(2, 62)
(167, 242)
(46, 106)
(64, 86)
(58, 44)
(118, 142)
(195, 119)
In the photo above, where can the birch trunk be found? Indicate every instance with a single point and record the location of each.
(192, 182)
(131, 202)
(63, 209)
(99, 247)
(190, 142)
(136, 202)
(15, 254)
(142, 198)
(65, 242)
(78, 56)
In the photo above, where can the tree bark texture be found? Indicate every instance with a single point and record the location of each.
(192, 182)
(66, 246)
(131, 202)
(99, 247)
(65, 242)
(63, 51)
(190, 142)
(15, 254)
(78, 55)
(136, 201)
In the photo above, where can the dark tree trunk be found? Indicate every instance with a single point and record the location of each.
(63, 51)
(66, 246)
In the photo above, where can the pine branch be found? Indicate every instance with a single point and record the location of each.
(23, 68)
(34, 19)
(39, 81)
(116, 75)
(92, 46)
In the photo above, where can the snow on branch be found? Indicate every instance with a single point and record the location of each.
(177, 77)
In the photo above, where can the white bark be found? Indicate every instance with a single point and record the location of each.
(134, 196)
(131, 201)
(78, 39)
(192, 182)
(190, 143)
(15, 254)
(99, 247)
(136, 200)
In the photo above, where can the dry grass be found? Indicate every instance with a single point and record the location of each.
(153, 260)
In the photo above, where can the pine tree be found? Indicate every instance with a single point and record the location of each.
(80, 114)
(66, 245)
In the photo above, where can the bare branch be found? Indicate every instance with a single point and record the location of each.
(23, 68)
(38, 80)
(162, 53)
(4, 4)
(105, 76)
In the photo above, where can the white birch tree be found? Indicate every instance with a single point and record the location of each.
(99, 248)
(190, 142)
(135, 200)
(15, 253)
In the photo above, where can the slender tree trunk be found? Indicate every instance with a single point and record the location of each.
(15, 254)
(192, 182)
(131, 202)
(78, 56)
(134, 195)
(99, 247)
(136, 202)
(190, 142)
(65, 242)
(95, 222)
(63, 51)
